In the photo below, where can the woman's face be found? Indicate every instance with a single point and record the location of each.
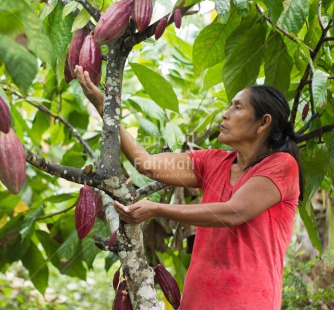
(239, 124)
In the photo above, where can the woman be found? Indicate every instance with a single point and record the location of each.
(245, 221)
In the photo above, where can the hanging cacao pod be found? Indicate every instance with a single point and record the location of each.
(112, 239)
(122, 299)
(5, 118)
(115, 280)
(178, 18)
(12, 162)
(75, 48)
(67, 72)
(90, 59)
(142, 13)
(168, 285)
(85, 211)
(305, 111)
(113, 22)
(99, 207)
(161, 27)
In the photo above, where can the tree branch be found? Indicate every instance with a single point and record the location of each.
(54, 214)
(45, 110)
(307, 125)
(94, 12)
(315, 133)
(150, 189)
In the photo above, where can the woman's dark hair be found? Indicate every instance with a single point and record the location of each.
(282, 138)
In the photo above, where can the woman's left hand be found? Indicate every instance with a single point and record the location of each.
(137, 212)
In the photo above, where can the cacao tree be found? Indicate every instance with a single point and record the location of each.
(166, 72)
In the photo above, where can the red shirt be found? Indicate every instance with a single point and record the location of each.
(241, 267)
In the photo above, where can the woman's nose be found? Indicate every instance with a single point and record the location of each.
(225, 114)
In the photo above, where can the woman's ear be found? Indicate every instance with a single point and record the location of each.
(264, 123)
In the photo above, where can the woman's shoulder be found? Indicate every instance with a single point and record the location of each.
(279, 161)
(208, 154)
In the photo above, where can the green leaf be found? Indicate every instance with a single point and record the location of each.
(59, 30)
(13, 54)
(149, 128)
(89, 250)
(69, 8)
(311, 226)
(277, 63)
(209, 47)
(81, 20)
(47, 9)
(213, 76)
(244, 60)
(74, 157)
(222, 8)
(275, 8)
(40, 124)
(34, 261)
(319, 89)
(242, 6)
(149, 107)
(157, 87)
(137, 178)
(11, 22)
(174, 136)
(29, 221)
(293, 18)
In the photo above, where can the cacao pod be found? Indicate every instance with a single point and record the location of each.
(85, 211)
(305, 111)
(91, 59)
(142, 13)
(161, 27)
(99, 207)
(12, 162)
(67, 72)
(168, 285)
(112, 239)
(4, 116)
(178, 18)
(115, 280)
(75, 48)
(122, 299)
(113, 22)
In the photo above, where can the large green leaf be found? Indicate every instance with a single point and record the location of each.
(275, 8)
(157, 87)
(311, 226)
(148, 127)
(34, 261)
(293, 18)
(59, 29)
(174, 136)
(319, 89)
(277, 63)
(213, 76)
(38, 41)
(13, 54)
(244, 60)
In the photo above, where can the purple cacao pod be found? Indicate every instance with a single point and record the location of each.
(91, 59)
(67, 72)
(5, 118)
(168, 286)
(12, 162)
(113, 22)
(122, 299)
(161, 27)
(99, 207)
(178, 18)
(75, 48)
(85, 211)
(142, 13)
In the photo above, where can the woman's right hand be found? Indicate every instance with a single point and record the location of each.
(94, 95)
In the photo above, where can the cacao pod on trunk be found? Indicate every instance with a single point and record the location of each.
(91, 59)
(122, 299)
(12, 162)
(67, 72)
(168, 286)
(75, 48)
(161, 27)
(85, 211)
(115, 280)
(113, 22)
(142, 13)
(5, 118)
(99, 207)
(178, 18)
(305, 111)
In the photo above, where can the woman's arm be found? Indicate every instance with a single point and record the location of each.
(254, 197)
(169, 168)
